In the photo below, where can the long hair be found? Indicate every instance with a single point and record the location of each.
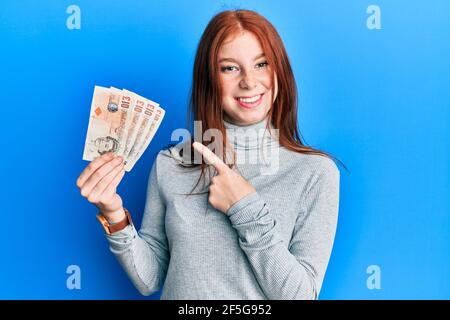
(206, 94)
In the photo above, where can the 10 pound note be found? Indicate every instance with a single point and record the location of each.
(115, 121)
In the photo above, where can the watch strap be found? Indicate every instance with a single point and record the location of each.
(111, 228)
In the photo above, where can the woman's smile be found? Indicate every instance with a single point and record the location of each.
(249, 102)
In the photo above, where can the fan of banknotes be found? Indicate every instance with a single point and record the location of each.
(122, 122)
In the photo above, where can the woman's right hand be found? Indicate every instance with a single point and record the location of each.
(98, 184)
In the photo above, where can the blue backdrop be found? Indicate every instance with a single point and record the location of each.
(376, 97)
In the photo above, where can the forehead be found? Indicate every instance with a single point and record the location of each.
(242, 45)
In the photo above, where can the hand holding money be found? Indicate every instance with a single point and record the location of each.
(98, 184)
(121, 122)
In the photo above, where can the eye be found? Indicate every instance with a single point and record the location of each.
(262, 65)
(228, 68)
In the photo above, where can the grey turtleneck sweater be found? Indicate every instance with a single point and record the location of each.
(274, 243)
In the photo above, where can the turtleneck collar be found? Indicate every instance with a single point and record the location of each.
(252, 136)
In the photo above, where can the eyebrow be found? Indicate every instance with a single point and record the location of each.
(233, 60)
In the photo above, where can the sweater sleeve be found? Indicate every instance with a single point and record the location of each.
(295, 271)
(144, 255)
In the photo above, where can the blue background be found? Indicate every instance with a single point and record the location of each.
(377, 99)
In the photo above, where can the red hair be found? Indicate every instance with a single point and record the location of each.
(206, 95)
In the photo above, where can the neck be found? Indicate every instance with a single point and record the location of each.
(251, 136)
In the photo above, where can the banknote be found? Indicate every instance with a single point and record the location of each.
(104, 123)
(146, 137)
(125, 107)
(148, 117)
(122, 122)
(142, 112)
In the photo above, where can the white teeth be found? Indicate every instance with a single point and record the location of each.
(250, 100)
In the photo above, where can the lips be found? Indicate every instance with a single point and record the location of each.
(250, 101)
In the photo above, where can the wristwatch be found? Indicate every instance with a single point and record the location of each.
(111, 228)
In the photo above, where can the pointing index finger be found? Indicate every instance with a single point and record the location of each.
(210, 157)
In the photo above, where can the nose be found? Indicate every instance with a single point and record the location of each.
(248, 81)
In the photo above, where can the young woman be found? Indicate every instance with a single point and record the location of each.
(268, 233)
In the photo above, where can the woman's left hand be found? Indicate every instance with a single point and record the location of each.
(228, 186)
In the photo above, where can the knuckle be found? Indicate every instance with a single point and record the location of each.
(109, 166)
(90, 167)
(102, 200)
(84, 193)
(92, 198)
(98, 174)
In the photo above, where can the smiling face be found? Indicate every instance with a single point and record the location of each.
(245, 79)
